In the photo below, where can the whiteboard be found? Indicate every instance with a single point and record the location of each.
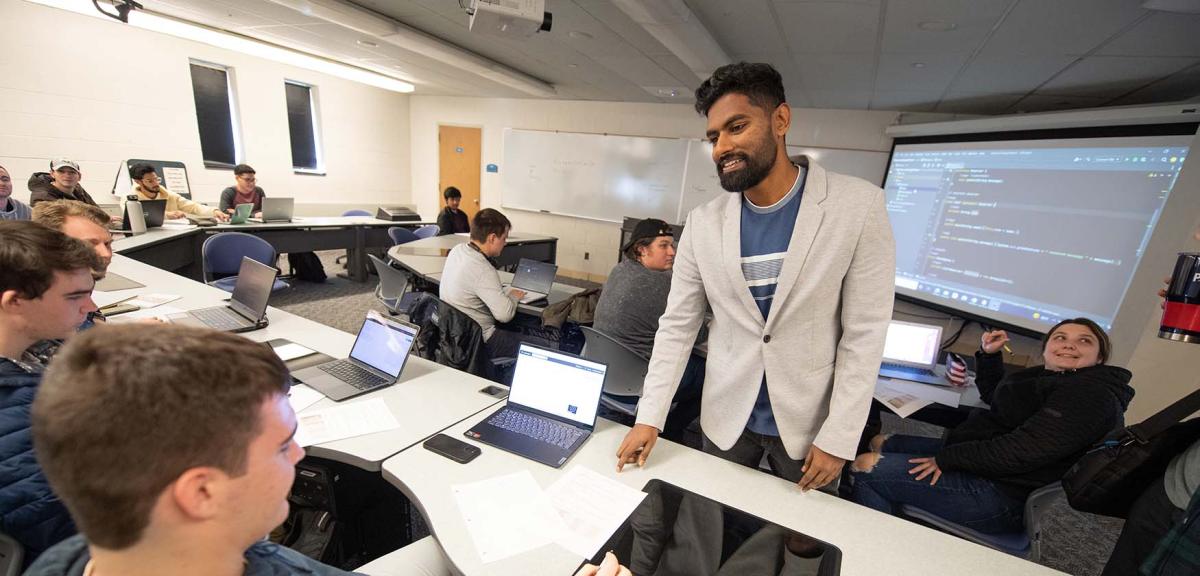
(606, 177)
(596, 176)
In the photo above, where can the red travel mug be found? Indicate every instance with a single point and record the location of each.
(1181, 314)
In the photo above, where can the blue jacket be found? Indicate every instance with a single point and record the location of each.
(29, 510)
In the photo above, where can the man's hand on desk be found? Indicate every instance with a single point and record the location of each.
(820, 468)
(636, 446)
(516, 294)
(609, 567)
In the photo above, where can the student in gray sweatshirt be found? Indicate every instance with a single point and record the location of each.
(11, 208)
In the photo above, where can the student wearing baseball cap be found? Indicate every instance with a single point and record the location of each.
(60, 183)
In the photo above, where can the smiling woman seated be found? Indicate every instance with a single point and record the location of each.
(1039, 422)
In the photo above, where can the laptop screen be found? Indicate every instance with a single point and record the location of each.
(383, 344)
(534, 276)
(912, 343)
(253, 288)
(558, 384)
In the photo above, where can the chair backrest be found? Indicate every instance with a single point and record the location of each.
(356, 213)
(400, 235)
(392, 283)
(626, 368)
(427, 231)
(222, 253)
(12, 556)
(1036, 506)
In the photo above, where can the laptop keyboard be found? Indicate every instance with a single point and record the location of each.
(220, 318)
(909, 369)
(543, 429)
(351, 374)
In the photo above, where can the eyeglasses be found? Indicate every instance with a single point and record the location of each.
(247, 179)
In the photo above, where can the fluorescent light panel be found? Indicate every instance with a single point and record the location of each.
(239, 44)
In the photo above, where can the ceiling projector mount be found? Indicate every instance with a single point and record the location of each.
(509, 18)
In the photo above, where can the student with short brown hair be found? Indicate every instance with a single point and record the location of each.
(80, 221)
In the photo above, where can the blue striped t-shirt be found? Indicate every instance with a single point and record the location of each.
(766, 233)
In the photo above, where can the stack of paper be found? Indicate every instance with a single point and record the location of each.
(344, 421)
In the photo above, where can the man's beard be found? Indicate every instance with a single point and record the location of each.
(755, 170)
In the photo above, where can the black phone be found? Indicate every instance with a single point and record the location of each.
(452, 448)
(495, 391)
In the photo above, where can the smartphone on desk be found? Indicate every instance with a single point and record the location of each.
(452, 448)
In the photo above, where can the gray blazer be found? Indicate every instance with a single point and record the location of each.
(823, 342)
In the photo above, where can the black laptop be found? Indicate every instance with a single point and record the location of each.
(247, 309)
(551, 409)
(154, 212)
(534, 278)
(378, 357)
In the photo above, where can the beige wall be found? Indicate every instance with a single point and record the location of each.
(99, 92)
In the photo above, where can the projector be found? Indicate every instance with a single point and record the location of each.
(510, 17)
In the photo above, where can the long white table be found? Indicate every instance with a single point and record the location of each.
(871, 543)
(456, 393)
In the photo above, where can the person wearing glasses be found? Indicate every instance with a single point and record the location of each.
(244, 191)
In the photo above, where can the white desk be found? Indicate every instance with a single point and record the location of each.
(456, 393)
(871, 543)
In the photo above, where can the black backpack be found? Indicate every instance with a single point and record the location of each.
(306, 266)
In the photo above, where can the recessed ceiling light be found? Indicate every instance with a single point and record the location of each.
(918, 64)
(367, 43)
(579, 35)
(936, 26)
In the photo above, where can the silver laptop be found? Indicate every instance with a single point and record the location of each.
(276, 210)
(247, 308)
(551, 409)
(911, 353)
(379, 355)
(534, 278)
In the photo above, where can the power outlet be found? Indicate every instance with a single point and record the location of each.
(587, 255)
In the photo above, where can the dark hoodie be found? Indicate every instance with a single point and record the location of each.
(41, 188)
(1038, 424)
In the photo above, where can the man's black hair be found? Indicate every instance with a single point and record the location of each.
(139, 170)
(242, 169)
(451, 192)
(760, 82)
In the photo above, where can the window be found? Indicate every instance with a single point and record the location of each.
(302, 126)
(215, 115)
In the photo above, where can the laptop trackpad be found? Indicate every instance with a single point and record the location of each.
(185, 320)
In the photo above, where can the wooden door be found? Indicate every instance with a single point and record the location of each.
(459, 158)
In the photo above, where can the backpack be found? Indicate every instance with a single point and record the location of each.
(306, 266)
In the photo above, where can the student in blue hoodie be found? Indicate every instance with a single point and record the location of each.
(45, 293)
(1039, 422)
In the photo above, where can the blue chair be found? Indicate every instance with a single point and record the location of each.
(626, 370)
(427, 231)
(1026, 544)
(401, 235)
(222, 255)
(356, 213)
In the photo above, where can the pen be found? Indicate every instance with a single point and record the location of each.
(1007, 349)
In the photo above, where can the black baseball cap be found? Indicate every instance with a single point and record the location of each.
(649, 228)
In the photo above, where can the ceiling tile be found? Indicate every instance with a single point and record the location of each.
(1009, 73)
(837, 71)
(739, 27)
(1112, 76)
(1048, 102)
(858, 99)
(897, 71)
(1036, 28)
(1183, 86)
(905, 101)
(971, 21)
(1162, 34)
(212, 13)
(977, 103)
(823, 27)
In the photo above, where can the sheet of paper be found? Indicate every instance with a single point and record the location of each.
(592, 506)
(345, 421)
(175, 179)
(103, 299)
(160, 312)
(291, 351)
(946, 395)
(301, 397)
(145, 301)
(507, 515)
(902, 403)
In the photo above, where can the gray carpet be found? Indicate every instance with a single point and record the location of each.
(1074, 542)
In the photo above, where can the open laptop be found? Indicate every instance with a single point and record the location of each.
(241, 213)
(551, 408)
(378, 357)
(247, 308)
(911, 353)
(534, 278)
(153, 212)
(276, 210)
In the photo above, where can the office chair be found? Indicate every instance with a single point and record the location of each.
(393, 287)
(626, 370)
(1027, 544)
(427, 231)
(401, 235)
(12, 555)
(341, 259)
(222, 254)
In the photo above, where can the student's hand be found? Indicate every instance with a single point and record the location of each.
(175, 215)
(993, 341)
(516, 294)
(820, 468)
(1162, 292)
(925, 467)
(636, 446)
(609, 567)
(219, 215)
(116, 220)
(258, 214)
